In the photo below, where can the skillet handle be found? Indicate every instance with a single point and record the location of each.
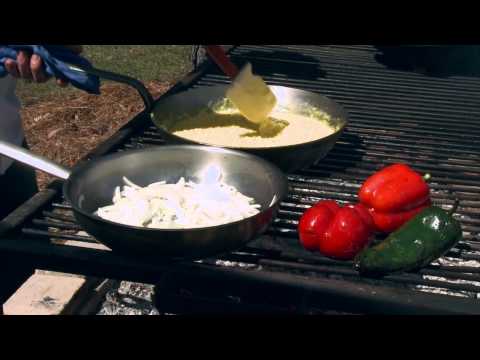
(123, 79)
(38, 162)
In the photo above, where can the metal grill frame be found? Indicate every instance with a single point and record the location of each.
(307, 291)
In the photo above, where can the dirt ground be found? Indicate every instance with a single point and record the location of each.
(67, 128)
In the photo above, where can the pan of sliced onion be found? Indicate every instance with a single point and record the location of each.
(171, 202)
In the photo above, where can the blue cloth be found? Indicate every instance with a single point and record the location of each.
(56, 61)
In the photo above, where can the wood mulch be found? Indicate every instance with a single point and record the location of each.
(66, 129)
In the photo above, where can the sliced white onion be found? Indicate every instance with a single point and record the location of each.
(181, 205)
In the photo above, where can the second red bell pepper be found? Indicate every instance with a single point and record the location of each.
(394, 195)
(389, 222)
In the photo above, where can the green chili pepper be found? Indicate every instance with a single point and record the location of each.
(423, 239)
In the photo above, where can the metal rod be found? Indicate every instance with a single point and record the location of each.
(57, 224)
(53, 235)
(52, 215)
(38, 162)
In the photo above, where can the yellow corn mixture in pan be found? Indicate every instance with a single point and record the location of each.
(223, 126)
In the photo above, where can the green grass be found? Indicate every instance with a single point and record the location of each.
(144, 62)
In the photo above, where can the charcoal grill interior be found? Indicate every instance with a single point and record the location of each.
(396, 116)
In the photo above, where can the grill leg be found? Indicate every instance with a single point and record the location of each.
(198, 56)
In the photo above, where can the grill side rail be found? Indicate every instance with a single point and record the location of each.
(311, 293)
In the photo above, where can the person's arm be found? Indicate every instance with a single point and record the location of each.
(31, 67)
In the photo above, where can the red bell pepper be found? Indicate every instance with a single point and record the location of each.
(337, 232)
(389, 222)
(394, 195)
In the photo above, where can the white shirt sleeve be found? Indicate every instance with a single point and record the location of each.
(11, 129)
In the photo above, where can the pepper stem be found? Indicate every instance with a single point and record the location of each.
(454, 208)
(427, 177)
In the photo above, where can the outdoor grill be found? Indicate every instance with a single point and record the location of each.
(428, 122)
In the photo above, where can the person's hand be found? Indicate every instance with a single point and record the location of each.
(31, 67)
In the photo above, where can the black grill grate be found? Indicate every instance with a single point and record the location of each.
(396, 116)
